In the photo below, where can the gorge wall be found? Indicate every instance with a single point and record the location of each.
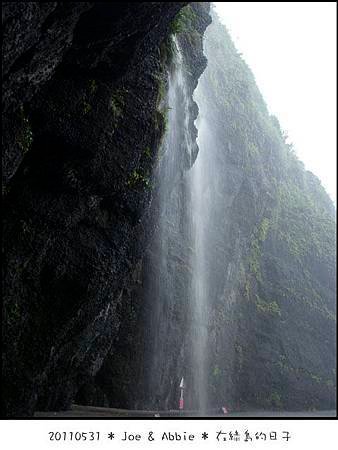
(85, 118)
(269, 265)
(272, 252)
(82, 126)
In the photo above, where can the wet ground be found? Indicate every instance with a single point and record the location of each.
(90, 411)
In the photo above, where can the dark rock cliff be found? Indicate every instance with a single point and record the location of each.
(82, 85)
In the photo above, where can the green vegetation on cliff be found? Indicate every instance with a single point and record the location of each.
(282, 282)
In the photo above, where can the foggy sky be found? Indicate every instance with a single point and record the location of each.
(291, 49)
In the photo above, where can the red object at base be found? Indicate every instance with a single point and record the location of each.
(181, 403)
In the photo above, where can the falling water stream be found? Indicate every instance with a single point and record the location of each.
(202, 179)
(199, 284)
(170, 215)
(195, 211)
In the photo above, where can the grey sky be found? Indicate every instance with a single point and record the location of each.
(291, 49)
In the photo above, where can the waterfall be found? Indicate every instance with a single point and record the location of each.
(200, 178)
(198, 300)
(164, 288)
(179, 346)
(208, 226)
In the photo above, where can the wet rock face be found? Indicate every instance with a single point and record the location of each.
(82, 83)
(36, 38)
